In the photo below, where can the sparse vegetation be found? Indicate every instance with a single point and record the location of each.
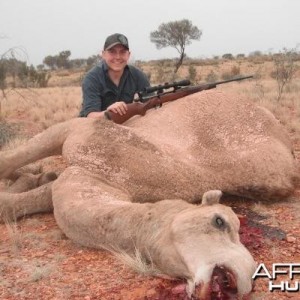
(61, 100)
(228, 56)
(192, 74)
(211, 76)
(40, 272)
(234, 71)
(284, 69)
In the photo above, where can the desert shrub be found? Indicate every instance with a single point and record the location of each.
(241, 55)
(30, 77)
(284, 69)
(192, 73)
(42, 79)
(228, 56)
(7, 132)
(235, 70)
(292, 88)
(160, 74)
(168, 63)
(163, 73)
(226, 75)
(211, 76)
(40, 272)
(3, 73)
(63, 73)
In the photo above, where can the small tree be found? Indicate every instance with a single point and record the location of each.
(228, 56)
(284, 69)
(50, 61)
(176, 34)
(240, 55)
(8, 66)
(91, 60)
(63, 59)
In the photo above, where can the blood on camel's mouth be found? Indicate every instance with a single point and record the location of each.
(222, 286)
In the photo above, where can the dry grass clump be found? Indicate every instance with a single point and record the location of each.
(66, 78)
(17, 100)
(40, 272)
(46, 106)
(15, 235)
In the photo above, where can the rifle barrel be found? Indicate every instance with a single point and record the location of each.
(233, 79)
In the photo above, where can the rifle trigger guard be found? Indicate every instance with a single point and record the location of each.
(160, 103)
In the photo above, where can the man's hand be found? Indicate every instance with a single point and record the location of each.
(96, 114)
(118, 108)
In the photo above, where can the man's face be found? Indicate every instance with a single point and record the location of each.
(116, 57)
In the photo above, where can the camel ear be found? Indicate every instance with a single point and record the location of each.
(211, 197)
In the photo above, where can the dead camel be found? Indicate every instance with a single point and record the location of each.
(113, 194)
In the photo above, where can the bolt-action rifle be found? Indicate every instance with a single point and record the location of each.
(155, 96)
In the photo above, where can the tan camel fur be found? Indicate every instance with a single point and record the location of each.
(113, 194)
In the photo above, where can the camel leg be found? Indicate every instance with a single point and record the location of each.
(32, 169)
(45, 144)
(26, 182)
(14, 206)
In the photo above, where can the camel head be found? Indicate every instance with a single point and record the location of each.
(206, 245)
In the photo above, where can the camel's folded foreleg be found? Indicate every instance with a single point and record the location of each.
(16, 205)
(27, 182)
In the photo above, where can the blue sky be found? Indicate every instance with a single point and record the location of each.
(46, 27)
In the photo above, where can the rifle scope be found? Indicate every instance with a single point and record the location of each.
(167, 85)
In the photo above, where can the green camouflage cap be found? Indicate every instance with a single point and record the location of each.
(116, 39)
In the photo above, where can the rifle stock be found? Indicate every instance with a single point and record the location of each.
(140, 108)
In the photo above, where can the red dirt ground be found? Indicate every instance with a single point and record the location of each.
(38, 262)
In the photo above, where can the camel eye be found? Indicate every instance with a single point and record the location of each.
(219, 222)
